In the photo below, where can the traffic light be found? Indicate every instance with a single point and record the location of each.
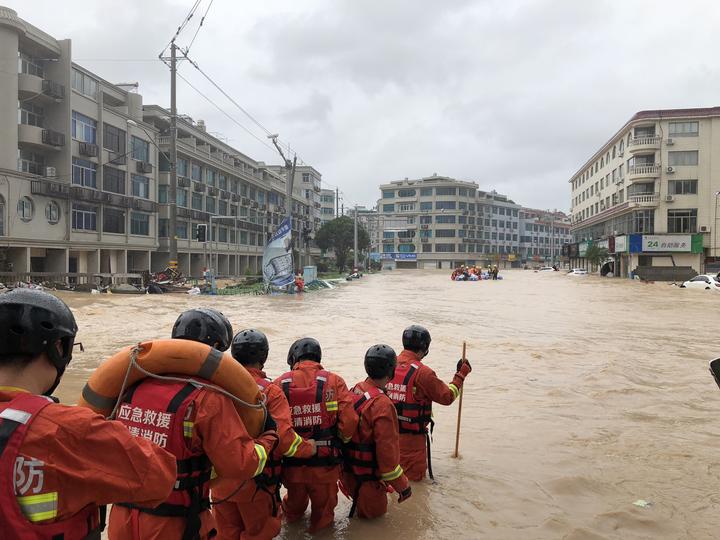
(201, 234)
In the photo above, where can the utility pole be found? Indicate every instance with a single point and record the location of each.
(355, 250)
(337, 202)
(172, 195)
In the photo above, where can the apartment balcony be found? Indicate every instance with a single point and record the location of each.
(40, 137)
(643, 172)
(39, 89)
(639, 145)
(644, 200)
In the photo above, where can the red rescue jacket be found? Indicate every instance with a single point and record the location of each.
(414, 415)
(162, 412)
(16, 418)
(313, 418)
(360, 455)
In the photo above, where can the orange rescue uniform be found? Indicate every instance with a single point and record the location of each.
(428, 388)
(318, 484)
(251, 512)
(220, 434)
(72, 457)
(379, 426)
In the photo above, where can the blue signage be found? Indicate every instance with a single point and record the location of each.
(396, 256)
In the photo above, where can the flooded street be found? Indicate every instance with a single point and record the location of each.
(586, 396)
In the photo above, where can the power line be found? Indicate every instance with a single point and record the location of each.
(187, 49)
(182, 26)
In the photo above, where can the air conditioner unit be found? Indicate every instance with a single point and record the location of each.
(670, 142)
(669, 198)
(703, 229)
(670, 170)
(50, 171)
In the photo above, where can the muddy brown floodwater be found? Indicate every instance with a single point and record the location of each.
(586, 395)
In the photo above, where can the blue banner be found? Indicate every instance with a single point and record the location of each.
(277, 257)
(397, 256)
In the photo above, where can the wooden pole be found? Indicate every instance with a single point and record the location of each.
(459, 416)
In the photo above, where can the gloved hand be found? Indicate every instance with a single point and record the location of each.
(314, 446)
(405, 494)
(463, 368)
(270, 424)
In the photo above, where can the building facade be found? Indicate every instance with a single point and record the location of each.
(328, 208)
(87, 173)
(440, 222)
(650, 194)
(543, 234)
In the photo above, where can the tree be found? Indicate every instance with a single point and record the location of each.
(596, 255)
(338, 235)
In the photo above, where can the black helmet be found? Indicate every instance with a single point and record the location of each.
(416, 338)
(227, 324)
(250, 347)
(304, 349)
(207, 326)
(380, 361)
(31, 322)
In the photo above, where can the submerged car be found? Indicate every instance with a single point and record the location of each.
(703, 282)
(577, 272)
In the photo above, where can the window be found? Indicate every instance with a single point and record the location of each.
(25, 208)
(388, 248)
(462, 219)
(140, 149)
(140, 186)
(682, 221)
(445, 233)
(181, 230)
(113, 221)
(210, 177)
(196, 172)
(182, 198)
(443, 191)
(462, 205)
(2, 216)
(114, 139)
(52, 212)
(388, 234)
(643, 221)
(445, 248)
(424, 220)
(222, 208)
(427, 248)
(689, 157)
(84, 173)
(445, 219)
(222, 182)
(30, 66)
(445, 205)
(406, 207)
(197, 201)
(31, 115)
(406, 248)
(113, 180)
(388, 193)
(84, 84)
(462, 192)
(305, 177)
(406, 193)
(683, 129)
(84, 218)
(222, 234)
(388, 207)
(682, 187)
(210, 205)
(425, 206)
(30, 162)
(425, 233)
(163, 194)
(139, 224)
(426, 192)
(182, 167)
(83, 128)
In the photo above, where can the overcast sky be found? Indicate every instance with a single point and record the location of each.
(512, 94)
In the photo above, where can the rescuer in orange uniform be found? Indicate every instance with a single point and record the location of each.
(250, 511)
(58, 464)
(322, 409)
(210, 436)
(372, 457)
(413, 389)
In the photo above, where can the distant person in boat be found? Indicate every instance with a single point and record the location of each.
(413, 389)
(212, 436)
(372, 457)
(61, 463)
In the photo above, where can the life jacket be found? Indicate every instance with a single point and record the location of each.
(19, 513)
(162, 412)
(360, 456)
(313, 418)
(413, 415)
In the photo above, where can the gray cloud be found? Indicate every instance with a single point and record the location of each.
(515, 95)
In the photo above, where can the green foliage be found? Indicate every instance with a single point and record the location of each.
(596, 255)
(338, 235)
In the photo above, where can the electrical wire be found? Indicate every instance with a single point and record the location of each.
(182, 26)
(187, 49)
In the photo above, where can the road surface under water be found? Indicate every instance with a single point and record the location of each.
(587, 395)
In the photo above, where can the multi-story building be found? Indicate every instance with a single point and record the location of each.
(439, 222)
(87, 175)
(542, 235)
(80, 169)
(650, 193)
(328, 208)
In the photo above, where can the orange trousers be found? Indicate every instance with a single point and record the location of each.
(372, 499)
(413, 456)
(251, 520)
(323, 498)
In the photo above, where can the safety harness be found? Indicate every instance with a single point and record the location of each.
(20, 515)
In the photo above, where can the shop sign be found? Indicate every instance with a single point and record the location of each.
(662, 242)
(582, 248)
(604, 244)
(397, 256)
(621, 244)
